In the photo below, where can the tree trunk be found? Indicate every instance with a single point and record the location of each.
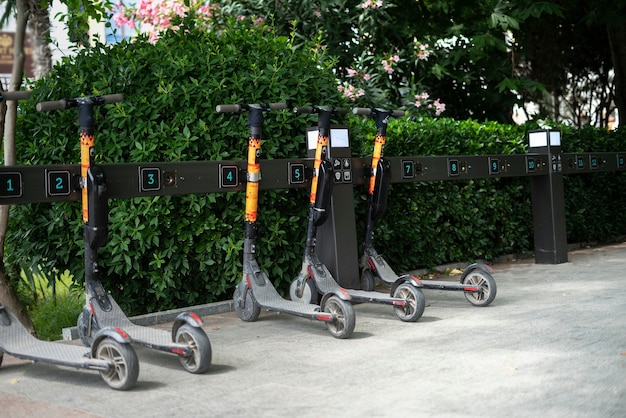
(8, 297)
(39, 25)
(617, 42)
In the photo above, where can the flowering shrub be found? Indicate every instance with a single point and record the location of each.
(373, 77)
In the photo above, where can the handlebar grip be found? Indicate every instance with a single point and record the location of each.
(15, 95)
(368, 111)
(224, 108)
(311, 109)
(52, 105)
(304, 109)
(277, 106)
(112, 98)
(362, 111)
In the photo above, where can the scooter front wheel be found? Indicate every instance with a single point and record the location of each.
(200, 358)
(415, 302)
(124, 369)
(486, 285)
(368, 283)
(309, 293)
(246, 307)
(344, 320)
(86, 331)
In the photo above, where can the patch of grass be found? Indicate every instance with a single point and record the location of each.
(52, 301)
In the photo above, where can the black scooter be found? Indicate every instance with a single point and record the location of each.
(476, 281)
(315, 279)
(256, 291)
(187, 339)
(111, 353)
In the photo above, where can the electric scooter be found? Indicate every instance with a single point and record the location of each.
(476, 281)
(256, 291)
(315, 278)
(187, 339)
(111, 353)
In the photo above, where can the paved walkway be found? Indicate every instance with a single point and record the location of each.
(553, 344)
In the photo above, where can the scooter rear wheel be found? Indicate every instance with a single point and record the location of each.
(344, 319)
(246, 307)
(487, 288)
(200, 359)
(415, 302)
(124, 369)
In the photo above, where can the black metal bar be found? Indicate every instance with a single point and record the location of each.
(23, 184)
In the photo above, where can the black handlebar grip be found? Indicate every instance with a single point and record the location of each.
(52, 105)
(224, 108)
(310, 109)
(112, 98)
(362, 111)
(369, 111)
(15, 95)
(277, 106)
(304, 109)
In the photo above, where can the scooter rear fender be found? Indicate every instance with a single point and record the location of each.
(190, 318)
(116, 334)
(340, 292)
(476, 266)
(407, 278)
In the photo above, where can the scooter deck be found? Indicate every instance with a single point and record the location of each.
(326, 283)
(363, 296)
(267, 296)
(16, 341)
(159, 339)
(434, 284)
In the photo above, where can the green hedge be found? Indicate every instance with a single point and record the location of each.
(167, 252)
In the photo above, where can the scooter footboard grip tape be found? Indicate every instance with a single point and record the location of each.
(113, 98)
(224, 108)
(15, 95)
(362, 111)
(52, 105)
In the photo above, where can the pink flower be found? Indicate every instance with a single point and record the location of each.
(351, 72)
(439, 107)
(366, 77)
(369, 4)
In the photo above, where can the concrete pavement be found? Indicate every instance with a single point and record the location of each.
(552, 344)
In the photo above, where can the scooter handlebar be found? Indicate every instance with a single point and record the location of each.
(14, 95)
(369, 111)
(311, 109)
(112, 98)
(51, 105)
(65, 103)
(235, 108)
